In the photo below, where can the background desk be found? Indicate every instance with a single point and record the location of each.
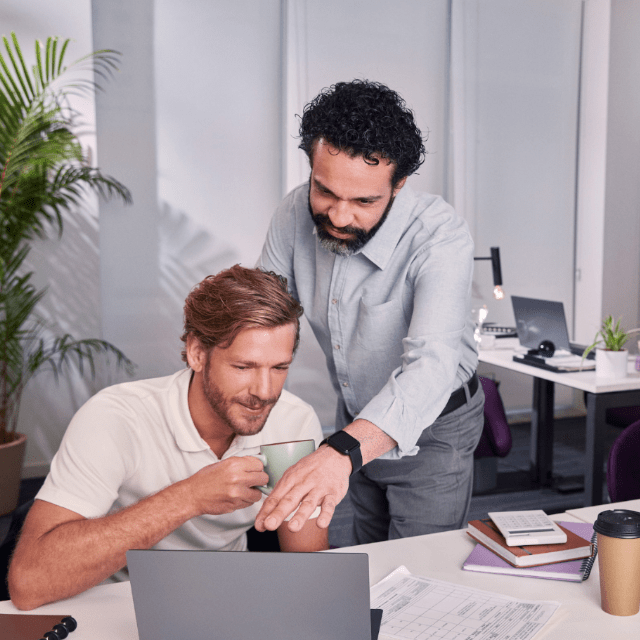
(600, 396)
(106, 612)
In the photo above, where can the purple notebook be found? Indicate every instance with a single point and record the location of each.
(485, 561)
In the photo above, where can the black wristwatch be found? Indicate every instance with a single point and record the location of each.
(347, 445)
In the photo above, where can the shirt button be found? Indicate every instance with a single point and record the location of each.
(345, 384)
(337, 346)
(334, 301)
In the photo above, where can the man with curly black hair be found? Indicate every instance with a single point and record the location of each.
(384, 275)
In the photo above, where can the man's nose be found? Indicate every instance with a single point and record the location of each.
(341, 214)
(261, 385)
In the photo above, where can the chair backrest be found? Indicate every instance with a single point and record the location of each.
(496, 435)
(623, 416)
(623, 470)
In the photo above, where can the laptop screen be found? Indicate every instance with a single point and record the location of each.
(538, 320)
(241, 595)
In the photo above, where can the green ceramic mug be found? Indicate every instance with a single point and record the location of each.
(278, 457)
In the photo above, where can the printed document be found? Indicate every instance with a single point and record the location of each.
(420, 608)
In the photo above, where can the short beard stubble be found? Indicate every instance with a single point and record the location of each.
(221, 405)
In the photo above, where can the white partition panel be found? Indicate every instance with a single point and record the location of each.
(516, 79)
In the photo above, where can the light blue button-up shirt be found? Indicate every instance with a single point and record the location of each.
(393, 319)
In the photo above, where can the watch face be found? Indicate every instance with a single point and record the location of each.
(343, 442)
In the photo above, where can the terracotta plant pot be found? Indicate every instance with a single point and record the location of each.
(11, 458)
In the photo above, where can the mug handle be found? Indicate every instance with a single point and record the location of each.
(266, 490)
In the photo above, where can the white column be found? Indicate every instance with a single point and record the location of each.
(132, 306)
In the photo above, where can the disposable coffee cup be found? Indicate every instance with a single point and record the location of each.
(619, 561)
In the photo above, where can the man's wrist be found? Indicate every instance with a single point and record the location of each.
(346, 445)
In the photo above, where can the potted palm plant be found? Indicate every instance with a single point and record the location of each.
(43, 174)
(611, 358)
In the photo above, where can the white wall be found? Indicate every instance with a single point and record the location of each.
(516, 99)
(621, 281)
(608, 238)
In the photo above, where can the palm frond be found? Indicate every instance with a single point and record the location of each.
(43, 174)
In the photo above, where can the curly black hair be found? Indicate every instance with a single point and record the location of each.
(365, 119)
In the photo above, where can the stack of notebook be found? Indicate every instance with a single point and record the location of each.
(570, 561)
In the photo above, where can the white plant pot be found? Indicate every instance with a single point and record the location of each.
(611, 364)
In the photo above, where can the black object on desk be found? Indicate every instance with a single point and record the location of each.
(33, 626)
(376, 621)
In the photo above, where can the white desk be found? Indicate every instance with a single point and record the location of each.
(106, 612)
(590, 514)
(600, 396)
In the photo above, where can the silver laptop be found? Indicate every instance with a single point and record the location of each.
(538, 320)
(190, 595)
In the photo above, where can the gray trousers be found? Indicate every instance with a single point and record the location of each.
(425, 493)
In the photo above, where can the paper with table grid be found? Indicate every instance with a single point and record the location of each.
(421, 608)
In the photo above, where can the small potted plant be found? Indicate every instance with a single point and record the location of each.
(43, 174)
(611, 359)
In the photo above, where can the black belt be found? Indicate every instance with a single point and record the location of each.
(459, 396)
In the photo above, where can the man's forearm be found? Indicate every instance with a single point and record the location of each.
(373, 441)
(78, 554)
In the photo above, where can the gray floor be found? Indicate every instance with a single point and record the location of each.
(512, 494)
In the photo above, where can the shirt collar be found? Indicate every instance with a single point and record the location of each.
(187, 438)
(381, 247)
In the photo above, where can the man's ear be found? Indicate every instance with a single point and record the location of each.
(399, 186)
(196, 354)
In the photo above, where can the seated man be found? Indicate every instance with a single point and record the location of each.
(169, 462)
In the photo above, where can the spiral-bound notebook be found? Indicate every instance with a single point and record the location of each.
(485, 561)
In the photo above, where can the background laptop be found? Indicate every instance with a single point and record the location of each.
(189, 595)
(538, 320)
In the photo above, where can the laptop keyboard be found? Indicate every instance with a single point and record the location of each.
(578, 350)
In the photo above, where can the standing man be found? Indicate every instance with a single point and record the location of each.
(170, 463)
(384, 275)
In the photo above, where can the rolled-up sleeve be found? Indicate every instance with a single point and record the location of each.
(417, 390)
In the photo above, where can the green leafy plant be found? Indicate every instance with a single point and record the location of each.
(43, 173)
(613, 337)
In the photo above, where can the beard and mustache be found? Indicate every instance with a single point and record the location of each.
(347, 246)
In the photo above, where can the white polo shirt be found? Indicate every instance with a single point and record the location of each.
(133, 439)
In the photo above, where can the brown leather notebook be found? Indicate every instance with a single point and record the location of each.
(16, 626)
(486, 533)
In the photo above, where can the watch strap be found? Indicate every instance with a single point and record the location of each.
(347, 445)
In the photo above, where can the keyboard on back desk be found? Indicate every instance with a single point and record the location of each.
(499, 332)
(578, 350)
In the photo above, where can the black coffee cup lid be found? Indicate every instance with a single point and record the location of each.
(618, 523)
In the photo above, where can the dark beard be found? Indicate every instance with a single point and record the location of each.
(344, 247)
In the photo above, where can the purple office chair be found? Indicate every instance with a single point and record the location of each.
(620, 416)
(623, 416)
(623, 470)
(495, 441)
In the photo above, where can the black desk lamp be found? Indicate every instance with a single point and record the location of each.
(498, 293)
